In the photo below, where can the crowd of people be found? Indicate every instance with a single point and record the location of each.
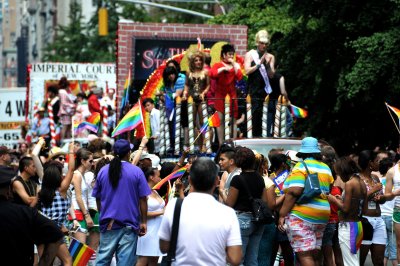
(104, 196)
(326, 209)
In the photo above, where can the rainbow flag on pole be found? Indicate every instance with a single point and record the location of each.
(178, 173)
(80, 253)
(394, 109)
(298, 112)
(90, 124)
(213, 121)
(130, 121)
(94, 118)
(127, 86)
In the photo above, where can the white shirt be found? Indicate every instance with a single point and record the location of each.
(155, 127)
(206, 228)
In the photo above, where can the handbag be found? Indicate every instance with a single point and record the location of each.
(312, 187)
(261, 213)
(174, 233)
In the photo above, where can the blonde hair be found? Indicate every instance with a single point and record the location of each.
(262, 34)
(193, 57)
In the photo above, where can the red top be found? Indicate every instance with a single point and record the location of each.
(94, 104)
(334, 218)
(225, 84)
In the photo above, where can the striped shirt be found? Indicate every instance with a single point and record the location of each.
(316, 211)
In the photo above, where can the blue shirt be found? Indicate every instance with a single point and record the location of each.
(41, 126)
(122, 203)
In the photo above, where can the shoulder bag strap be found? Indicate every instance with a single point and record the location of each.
(175, 229)
(305, 165)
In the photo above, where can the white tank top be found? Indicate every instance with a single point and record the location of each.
(396, 184)
(84, 192)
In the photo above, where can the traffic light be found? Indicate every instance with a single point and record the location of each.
(103, 21)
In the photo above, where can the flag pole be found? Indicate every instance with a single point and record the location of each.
(398, 130)
(141, 116)
(205, 125)
(72, 128)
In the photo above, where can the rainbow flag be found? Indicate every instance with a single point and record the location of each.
(125, 98)
(130, 121)
(79, 127)
(178, 173)
(94, 118)
(80, 253)
(298, 112)
(356, 236)
(394, 109)
(213, 121)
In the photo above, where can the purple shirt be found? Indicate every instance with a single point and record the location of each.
(122, 203)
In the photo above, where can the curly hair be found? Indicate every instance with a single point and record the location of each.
(193, 57)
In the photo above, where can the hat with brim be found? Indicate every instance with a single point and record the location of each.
(55, 152)
(263, 39)
(292, 155)
(155, 161)
(122, 147)
(309, 145)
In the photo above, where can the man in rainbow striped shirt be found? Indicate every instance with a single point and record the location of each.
(305, 222)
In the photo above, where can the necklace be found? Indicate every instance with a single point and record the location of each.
(29, 186)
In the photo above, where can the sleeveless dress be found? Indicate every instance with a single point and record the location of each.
(148, 245)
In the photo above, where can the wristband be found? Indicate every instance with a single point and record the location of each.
(258, 66)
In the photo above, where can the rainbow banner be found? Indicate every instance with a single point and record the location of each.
(178, 173)
(298, 112)
(394, 109)
(356, 236)
(80, 253)
(130, 121)
(94, 118)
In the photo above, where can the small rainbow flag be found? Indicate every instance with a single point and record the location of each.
(394, 109)
(356, 236)
(79, 127)
(130, 121)
(94, 118)
(298, 112)
(213, 121)
(80, 253)
(178, 173)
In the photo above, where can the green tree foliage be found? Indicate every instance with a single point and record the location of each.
(71, 42)
(340, 61)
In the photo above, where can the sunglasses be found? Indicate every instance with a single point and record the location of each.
(61, 158)
(91, 161)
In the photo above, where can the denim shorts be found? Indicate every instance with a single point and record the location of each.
(328, 234)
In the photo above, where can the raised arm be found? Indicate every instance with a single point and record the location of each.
(71, 167)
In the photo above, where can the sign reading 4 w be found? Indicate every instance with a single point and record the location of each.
(12, 105)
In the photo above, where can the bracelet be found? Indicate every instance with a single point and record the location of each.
(141, 147)
(86, 214)
(258, 66)
(178, 164)
(74, 219)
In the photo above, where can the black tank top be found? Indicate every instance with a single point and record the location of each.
(30, 188)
